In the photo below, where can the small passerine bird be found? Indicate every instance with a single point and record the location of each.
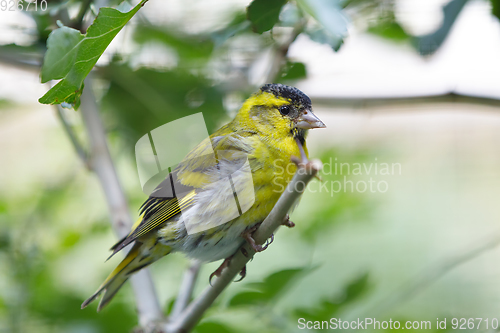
(263, 136)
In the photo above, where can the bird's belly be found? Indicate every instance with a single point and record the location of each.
(210, 245)
(207, 251)
(223, 240)
(215, 244)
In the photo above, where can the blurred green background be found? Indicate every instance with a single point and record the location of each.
(405, 82)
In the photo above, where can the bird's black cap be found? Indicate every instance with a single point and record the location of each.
(295, 95)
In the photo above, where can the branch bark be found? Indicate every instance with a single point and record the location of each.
(186, 289)
(101, 163)
(193, 313)
(80, 151)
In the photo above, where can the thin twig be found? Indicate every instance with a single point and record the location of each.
(100, 160)
(432, 274)
(193, 313)
(186, 289)
(80, 151)
(78, 22)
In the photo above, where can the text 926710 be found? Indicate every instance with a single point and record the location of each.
(20, 5)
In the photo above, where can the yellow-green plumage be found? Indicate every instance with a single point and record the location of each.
(264, 131)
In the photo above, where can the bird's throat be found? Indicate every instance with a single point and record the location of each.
(300, 134)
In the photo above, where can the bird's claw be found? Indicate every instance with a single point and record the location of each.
(269, 242)
(247, 235)
(219, 270)
(243, 273)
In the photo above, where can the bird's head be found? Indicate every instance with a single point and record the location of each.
(279, 110)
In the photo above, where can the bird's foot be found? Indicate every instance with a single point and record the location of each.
(243, 273)
(219, 270)
(247, 235)
(287, 222)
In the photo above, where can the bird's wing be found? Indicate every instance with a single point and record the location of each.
(200, 168)
(154, 213)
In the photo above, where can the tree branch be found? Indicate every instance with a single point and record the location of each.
(432, 274)
(186, 289)
(102, 164)
(193, 313)
(78, 23)
(80, 151)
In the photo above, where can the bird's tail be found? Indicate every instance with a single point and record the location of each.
(133, 262)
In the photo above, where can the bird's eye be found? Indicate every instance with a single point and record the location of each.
(285, 110)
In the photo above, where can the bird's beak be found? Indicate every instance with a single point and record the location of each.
(308, 120)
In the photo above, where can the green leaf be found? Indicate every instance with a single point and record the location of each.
(356, 288)
(248, 298)
(71, 56)
(70, 238)
(495, 8)
(323, 36)
(170, 306)
(238, 24)
(327, 13)
(264, 14)
(61, 53)
(276, 282)
(430, 43)
(387, 27)
(5, 242)
(290, 15)
(269, 289)
(389, 30)
(329, 308)
(294, 71)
